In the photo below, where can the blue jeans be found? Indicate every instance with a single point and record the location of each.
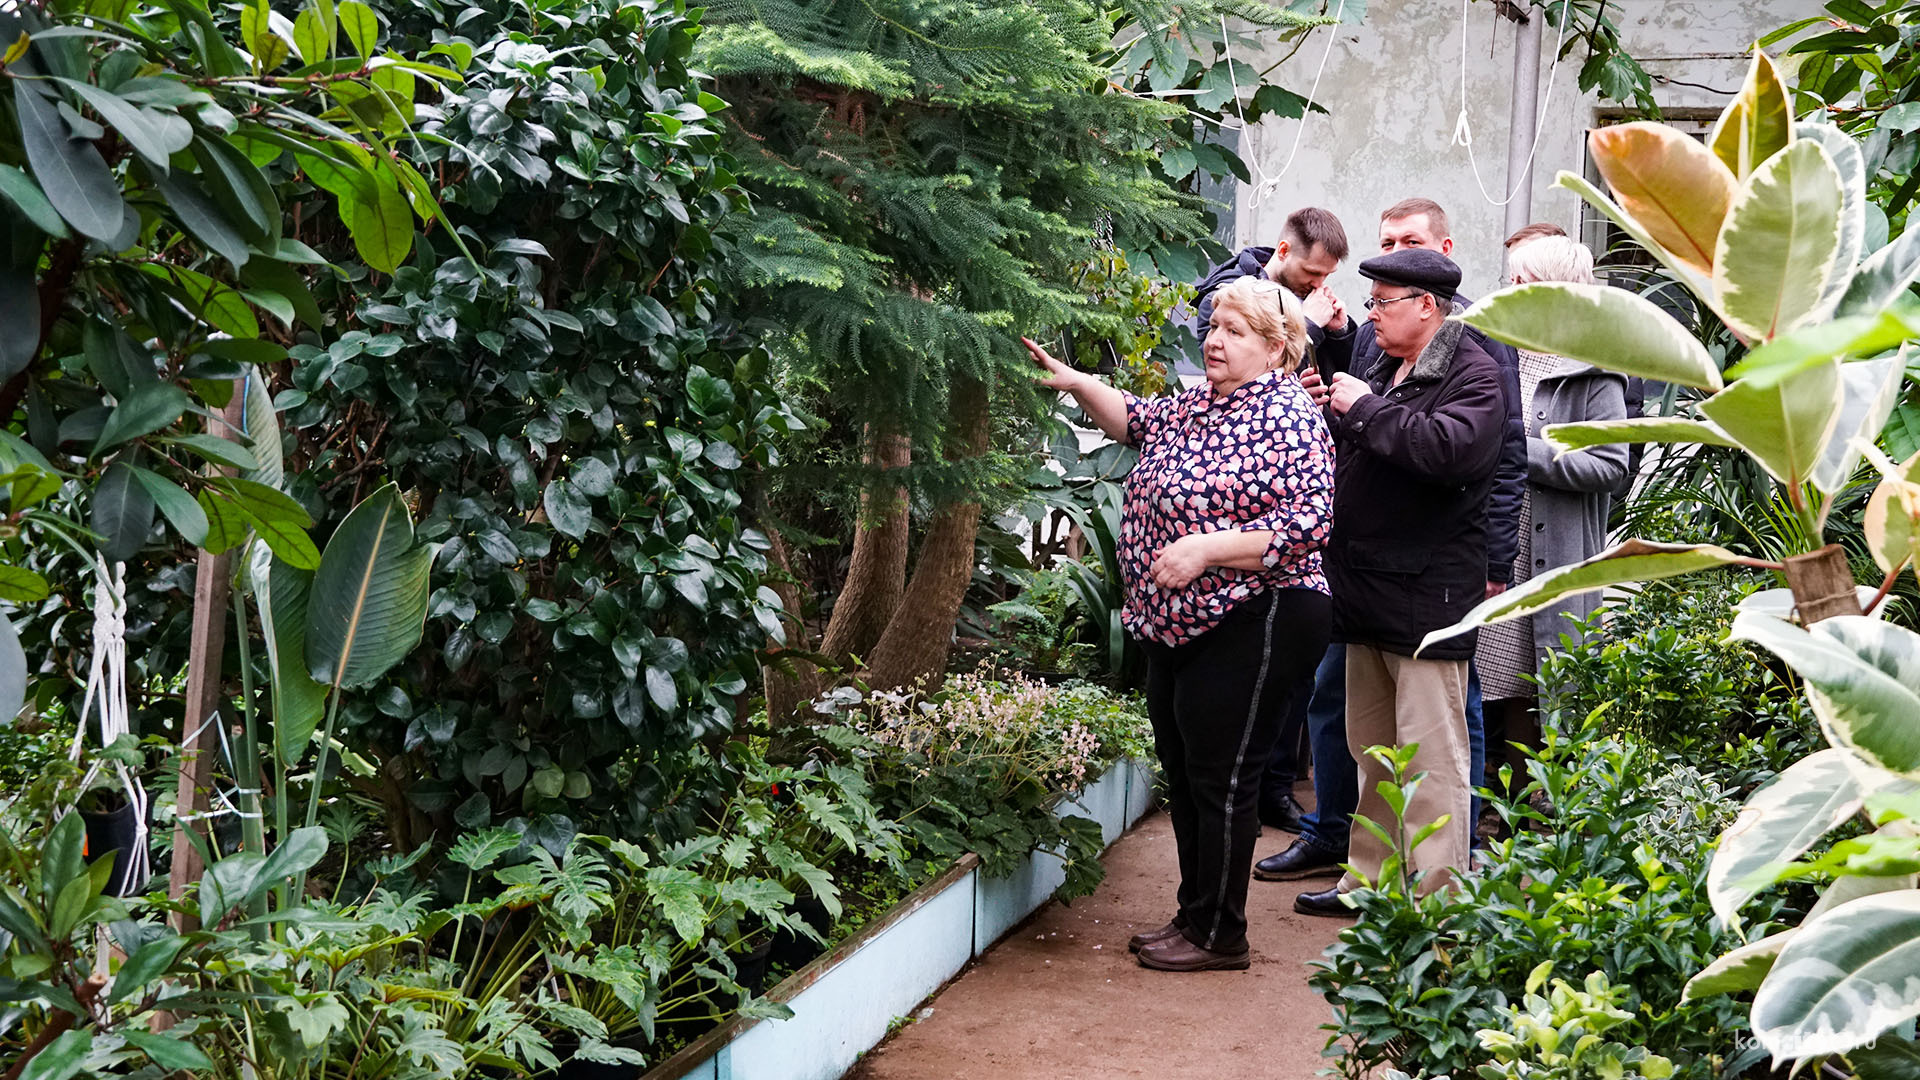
(1336, 779)
(1476, 748)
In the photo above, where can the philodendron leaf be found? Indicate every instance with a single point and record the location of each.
(1741, 969)
(1863, 678)
(281, 591)
(1636, 429)
(1869, 390)
(1851, 165)
(369, 600)
(1779, 243)
(1779, 822)
(1785, 425)
(1757, 124)
(1670, 183)
(1884, 277)
(1632, 560)
(1603, 326)
(1843, 979)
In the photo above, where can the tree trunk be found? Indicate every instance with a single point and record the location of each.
(787, 688)
(914, 647)
(877, 574)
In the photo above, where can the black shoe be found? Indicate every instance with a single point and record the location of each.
(1300, 860)
(1323, 903)
(1283, 813)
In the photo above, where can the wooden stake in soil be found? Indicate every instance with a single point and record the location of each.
(1822, 584)
(199, 741)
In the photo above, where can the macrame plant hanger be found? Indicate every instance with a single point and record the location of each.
(106, 698)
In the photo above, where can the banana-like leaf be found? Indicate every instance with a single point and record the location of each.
(1863, 678)
(1852, 167)
(1741, 969)
(1635, 429)
(1631, 560)
(1779, 822)
(1884, 277)
(263, 428)
(13, 672)
(1757, 124)
(1606, 327)
(1698, 282)
(298, 701)
(1670, 183)
(1785, 426)
(1778, 246)
(1845, 978)
(1869, 390)
(369, 600)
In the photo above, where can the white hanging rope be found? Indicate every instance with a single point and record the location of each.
(1267, 184)
(1463, 131)
(106, 696)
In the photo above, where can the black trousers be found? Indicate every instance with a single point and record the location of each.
(1216, 704)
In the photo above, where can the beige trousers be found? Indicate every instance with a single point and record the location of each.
(1395, 700)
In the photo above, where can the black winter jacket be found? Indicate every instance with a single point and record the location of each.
(1253, 261)
(1359, 353)
(1412, 471)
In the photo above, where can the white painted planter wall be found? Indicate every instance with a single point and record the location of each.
(844, 1002)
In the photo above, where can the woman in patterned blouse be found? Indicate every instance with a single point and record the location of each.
(1220, 540)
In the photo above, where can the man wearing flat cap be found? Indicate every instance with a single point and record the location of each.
(1418, 437)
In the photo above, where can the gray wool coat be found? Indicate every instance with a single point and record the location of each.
(1571, 493)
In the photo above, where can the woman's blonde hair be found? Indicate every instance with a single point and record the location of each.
(1271, 311)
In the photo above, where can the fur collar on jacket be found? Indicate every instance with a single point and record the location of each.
(1433, 362)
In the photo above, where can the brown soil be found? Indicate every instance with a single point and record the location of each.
(1062, 997)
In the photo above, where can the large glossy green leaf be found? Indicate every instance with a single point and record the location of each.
(1889, 1057)
(1758, 122)
(142, 130)
(1892, 517)
(1606, 327)
(1779, 822)
(1636, 429)
(1785, 425)
(298, 701)
(240, 189)
(381, 223)
(20, 313)
(277, 518)
(1741, 969)
(13, 671)
(263, 428)
(1863, 677)
(1672, 184)
(122, 513)
(148, 407)
(1778, 247)
(1851, 165)
(195, 210)
(369, 600)
(72, 174)
(178, 507)
(1631, 560)
(1845, 977)
(19, 189)
(1884, 277)
(1869, 390)
(61, 1059)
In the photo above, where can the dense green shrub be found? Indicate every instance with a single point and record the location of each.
(1574, 891)
(1661, 663)
(576, 414)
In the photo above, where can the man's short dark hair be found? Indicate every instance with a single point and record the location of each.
(1535, 231)
(1406, 208)
(1312, 227)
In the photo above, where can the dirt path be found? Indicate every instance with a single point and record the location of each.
(1062, 997)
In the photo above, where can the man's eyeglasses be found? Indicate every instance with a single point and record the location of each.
(1374, 301)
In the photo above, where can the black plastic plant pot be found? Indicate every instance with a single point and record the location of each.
(791, 950)
(116, 830)
(750, 967)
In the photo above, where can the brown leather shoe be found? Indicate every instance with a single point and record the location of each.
(1178, 954)
(1147, 937)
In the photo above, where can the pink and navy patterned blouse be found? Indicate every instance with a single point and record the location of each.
(1261, 458)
